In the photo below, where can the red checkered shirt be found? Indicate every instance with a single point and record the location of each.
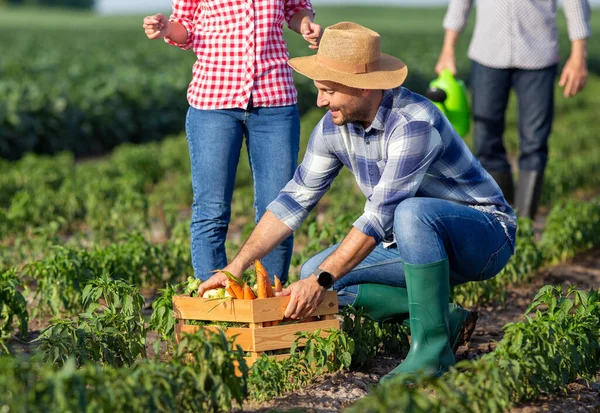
(240, 50)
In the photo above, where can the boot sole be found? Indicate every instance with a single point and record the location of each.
(466, 330)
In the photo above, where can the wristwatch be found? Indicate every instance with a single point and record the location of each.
(324, 278)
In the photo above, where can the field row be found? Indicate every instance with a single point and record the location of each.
(535, 356)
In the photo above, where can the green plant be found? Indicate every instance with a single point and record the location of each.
(208, 375)
(162, 319)
(111, 330)
(12, 305)
(271, 377)
(325, 354)
(364, 334)
(199, 377)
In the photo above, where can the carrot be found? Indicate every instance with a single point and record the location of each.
(237, 289)
(248, 293)
(262, 278)
(230, 291)
(270, 291)
(278, 287)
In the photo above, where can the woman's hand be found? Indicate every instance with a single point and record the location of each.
(157, 26)
(311, 32)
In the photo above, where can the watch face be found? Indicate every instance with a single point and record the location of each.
(325, 279)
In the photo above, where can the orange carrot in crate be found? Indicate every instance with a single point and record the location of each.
(270, 291)
(248, 293)
(262, 280)
(230, 290)
(234, 285)
(263, 285)
(278, 286)
(237, 289)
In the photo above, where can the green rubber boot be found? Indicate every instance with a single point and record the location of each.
(387, 303)
(382, 302)
(430, 351)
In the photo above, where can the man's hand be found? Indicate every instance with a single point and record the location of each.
(306, 295)
(157, 26)
(446, 61)
(574, 76)
(311, 32)
(216, 281)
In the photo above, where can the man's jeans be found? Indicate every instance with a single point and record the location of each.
(535, 95)
(215, 141)
(428, 230)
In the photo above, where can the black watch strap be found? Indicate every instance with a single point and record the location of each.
(324, 278)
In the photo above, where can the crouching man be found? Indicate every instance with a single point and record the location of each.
(433, 217)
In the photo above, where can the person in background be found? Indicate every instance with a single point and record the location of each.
(433, 217)
(241, 87)
(515, 45)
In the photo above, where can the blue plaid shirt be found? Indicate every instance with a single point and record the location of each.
(409, 150)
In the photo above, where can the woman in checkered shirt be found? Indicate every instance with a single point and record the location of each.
(241, 87)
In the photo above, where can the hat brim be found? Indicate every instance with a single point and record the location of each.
(391, 74)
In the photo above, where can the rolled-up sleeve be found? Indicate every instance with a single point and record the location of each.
(183, 13)
(311, 181)
(291, 7)
(577, 13)
(411, 150)
(457, 14)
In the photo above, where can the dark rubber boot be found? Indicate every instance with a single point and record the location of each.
(504, 179)
(529, 190)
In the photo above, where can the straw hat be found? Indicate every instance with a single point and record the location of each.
(350, 54)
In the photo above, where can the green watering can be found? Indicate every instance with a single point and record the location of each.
(450, 96)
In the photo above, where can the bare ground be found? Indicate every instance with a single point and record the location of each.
(334, 392)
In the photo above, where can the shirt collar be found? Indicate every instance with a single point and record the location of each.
(385, 108)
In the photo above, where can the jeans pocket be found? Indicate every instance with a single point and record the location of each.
(496, 262)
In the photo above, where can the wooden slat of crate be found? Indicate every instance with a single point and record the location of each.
(268, 338)
(279, 337)
(243, 311)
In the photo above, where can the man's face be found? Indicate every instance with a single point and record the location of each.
(345, 103)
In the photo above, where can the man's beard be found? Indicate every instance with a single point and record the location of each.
(344, 118)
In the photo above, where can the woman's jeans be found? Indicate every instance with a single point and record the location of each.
(215, 141)
(535, 95)
(428, 230)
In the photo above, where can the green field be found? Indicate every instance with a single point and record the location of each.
(86, 83)
(81, 239)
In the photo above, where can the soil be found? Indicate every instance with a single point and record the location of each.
(335, 392)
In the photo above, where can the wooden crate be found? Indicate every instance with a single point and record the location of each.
(255, 338)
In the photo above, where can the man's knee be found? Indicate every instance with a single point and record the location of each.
(410, 218)
(309, 267)
(409, 210)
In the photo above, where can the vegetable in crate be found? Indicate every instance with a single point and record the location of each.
(265, 290)
(216, 293)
